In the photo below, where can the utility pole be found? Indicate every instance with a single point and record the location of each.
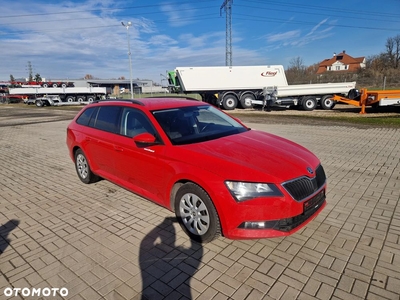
(227, 5)
(127, 25)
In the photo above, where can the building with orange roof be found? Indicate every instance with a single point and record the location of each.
(341, 62)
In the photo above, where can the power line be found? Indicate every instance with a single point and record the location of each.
(108, 9)
(323, 8)
(274, 20)
(369, 19)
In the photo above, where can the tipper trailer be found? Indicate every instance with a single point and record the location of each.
(230, 87)
(67, 95)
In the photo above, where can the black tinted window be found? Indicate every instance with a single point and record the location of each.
(107, 118)
(84, 118)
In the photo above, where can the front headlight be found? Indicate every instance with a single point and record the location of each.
(249, 190)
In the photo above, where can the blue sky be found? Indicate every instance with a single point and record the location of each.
(69, 39)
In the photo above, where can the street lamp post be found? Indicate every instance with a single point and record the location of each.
(129, 24)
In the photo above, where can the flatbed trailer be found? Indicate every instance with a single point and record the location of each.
(68, 94)
(364, 98)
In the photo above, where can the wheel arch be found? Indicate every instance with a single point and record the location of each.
(174, 189)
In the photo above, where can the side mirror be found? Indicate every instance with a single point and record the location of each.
(145, 139)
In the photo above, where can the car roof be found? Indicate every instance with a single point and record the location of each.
(155, 103)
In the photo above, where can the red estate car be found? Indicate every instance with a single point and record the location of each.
(216, 174)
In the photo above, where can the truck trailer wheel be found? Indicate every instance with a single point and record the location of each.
(39, 103)
(45, 85)
(246, 100)
(327, 102)
(90, 99)
(309, 103)
(70, 99)
(81, 99)
(229, 102)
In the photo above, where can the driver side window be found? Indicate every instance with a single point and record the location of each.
(134, 122)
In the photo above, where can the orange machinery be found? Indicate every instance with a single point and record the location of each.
(372, 98)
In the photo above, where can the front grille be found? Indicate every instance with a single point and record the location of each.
(310, 207)
(303, 187)
(309, 210)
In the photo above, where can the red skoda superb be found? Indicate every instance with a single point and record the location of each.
(218, 176)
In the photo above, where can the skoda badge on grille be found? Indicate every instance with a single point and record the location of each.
(310, 170)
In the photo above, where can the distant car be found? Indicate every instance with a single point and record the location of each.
(216, 174)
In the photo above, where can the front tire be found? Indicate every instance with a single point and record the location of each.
(83, 169)
(196, 213)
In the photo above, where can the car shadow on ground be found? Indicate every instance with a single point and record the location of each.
(5, 230)
(166, 268)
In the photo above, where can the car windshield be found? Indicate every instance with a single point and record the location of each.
(194, 124)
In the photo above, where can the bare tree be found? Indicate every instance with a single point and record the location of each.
(296, 71)
(393, 51)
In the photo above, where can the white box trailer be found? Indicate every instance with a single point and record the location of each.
(230, 87)
(67, 94)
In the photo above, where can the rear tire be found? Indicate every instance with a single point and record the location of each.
(327, 103)
(83, 169)
(196, 213)
(246, 101)
(309, 103)
(229, 102)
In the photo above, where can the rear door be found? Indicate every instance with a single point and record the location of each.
(100, 139)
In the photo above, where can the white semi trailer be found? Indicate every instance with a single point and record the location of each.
(229, 87)
(66, 94)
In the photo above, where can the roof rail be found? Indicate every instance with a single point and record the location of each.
(175, 97)
(134, 101)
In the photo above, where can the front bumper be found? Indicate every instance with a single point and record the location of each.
(253, 229)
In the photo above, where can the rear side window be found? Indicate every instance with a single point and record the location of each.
(107, 118)
(84, 118)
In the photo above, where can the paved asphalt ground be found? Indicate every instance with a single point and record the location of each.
(100, 241)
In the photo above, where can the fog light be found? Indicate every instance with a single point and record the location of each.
(258, 225)
(254, 225)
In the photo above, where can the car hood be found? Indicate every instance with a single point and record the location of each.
(252, 155)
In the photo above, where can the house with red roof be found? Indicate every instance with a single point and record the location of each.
(341, 62)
